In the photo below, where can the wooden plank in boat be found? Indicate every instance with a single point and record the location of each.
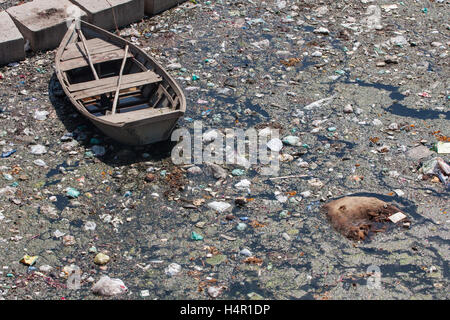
(130, 82)
(113, 81)
(96, 58)
(92, 44)
(136, 115)
(78, 51)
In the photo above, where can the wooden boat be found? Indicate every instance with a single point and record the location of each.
(117, 86)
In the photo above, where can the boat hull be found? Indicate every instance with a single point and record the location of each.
(140, 134)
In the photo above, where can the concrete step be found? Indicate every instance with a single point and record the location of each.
(153, 7)
(44, 22)
(100, 12)
(11, 41)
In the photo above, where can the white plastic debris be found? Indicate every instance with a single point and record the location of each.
(38, 149)
(443, 147)
(243, 184)
(109, 287)
(292, 140)
(246, 252)
(58, 234)
(40, 163)
(396, 217)
(319, 103)
(90, 226)
(214, 292)
(145, 293)
(219, 206)
(40, 115)
(173, 269)
(275, 144)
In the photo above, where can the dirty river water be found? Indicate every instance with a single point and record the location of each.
(242, 64)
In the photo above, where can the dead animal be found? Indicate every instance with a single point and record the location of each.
(359, 217)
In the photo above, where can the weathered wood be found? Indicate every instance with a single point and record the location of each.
(111, 88)
(135, 115)
(80, 34)
(96, 58)
(116, 95)
(92, 43)
(113, 80)
(159, 94)
(167, 94)
(76, 50)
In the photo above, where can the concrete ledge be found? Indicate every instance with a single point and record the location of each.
(153, 7)
(100, 12)
(43, 22)
(11, 41)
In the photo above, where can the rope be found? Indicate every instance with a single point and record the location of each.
(114, 17)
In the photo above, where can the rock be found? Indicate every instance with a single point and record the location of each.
(109, 287)
(219, 206)
(418, 153)
(101, 259)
